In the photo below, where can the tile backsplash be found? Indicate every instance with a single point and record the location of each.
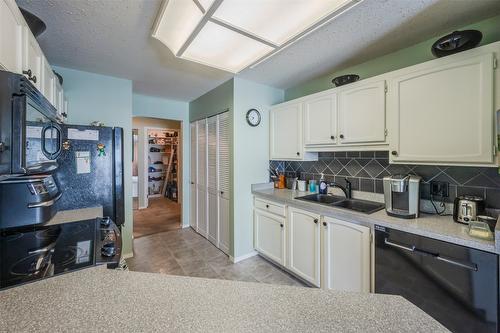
(365, 171)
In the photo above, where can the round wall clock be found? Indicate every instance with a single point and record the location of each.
(253, 117)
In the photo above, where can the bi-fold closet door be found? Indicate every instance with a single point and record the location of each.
(210, 157)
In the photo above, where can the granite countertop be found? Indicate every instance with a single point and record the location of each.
(98, 299)
(432, 226)
(75, 215)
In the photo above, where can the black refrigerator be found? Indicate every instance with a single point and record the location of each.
(90, 171)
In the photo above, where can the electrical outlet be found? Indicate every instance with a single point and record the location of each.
(440, 189)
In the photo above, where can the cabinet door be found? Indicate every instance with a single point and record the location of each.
(193, 220)
(11, 30)
(223, 144)
(444, 113)
(201, 196)
(286, 132)
(224, 224)
(320, 120)
(346, 256)
(201, 178)
(212, 183)
(362, 113)
(304, 245)
(32, 58)
(269, 238)
(193, 206)
(48, 83)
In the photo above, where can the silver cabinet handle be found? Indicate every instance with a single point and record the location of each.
(469, 266)
(399, 246)
(45, 203)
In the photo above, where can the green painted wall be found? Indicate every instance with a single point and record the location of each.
(108, 99)
(213, 102)
(250, 156)
(416, 54)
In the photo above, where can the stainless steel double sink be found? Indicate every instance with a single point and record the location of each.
(358, 205)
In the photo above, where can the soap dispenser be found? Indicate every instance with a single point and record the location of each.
(323, 188)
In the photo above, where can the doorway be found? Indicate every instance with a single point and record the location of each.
(157, 175)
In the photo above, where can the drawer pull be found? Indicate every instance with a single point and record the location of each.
(325, 224)
(316, 221)
(267, 206)
(281, 225)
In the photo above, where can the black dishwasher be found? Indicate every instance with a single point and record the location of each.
(456, 285)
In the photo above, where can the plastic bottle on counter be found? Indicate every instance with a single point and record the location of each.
(323, 188)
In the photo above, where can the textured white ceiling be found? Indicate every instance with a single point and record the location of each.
(113, 37)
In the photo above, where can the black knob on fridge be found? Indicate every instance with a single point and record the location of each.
(324, 223)
(332, 137)
(394, 153)
(315, 220)
(341, 136)
(28, 72)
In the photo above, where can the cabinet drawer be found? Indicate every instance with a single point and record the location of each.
(269, 206)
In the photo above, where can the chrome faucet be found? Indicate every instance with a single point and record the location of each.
(347, 189)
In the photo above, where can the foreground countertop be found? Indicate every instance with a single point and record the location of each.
(98, 299)
(432, 226)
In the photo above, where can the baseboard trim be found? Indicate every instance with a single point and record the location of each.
(243, 257)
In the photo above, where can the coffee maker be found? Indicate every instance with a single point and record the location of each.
(402, 195)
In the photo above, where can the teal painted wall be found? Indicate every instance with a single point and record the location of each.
(147, 106)
(213, 102)
(403, 58)
(94, 97)
(250, 156)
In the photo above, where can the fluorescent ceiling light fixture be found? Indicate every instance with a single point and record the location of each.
(234, 34)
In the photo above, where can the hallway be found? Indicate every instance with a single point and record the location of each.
(184, 252)
(161, 215)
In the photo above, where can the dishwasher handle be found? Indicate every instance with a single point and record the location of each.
(412, 248)
(399, 246)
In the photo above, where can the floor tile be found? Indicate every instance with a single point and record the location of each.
(184, 252)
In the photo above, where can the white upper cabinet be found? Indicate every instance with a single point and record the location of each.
(286, 132)
(320, 119)
(286, 139)
(442, 112)
(346, 256)
(48, 84)
(11, 30)
(362, 113)
(32, 60)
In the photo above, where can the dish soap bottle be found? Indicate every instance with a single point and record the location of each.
(323, 188)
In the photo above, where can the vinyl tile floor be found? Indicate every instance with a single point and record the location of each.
(184, 252)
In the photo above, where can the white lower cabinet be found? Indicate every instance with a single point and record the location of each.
(269, 235)
(346, 256)
(324, 251)
(303, 256)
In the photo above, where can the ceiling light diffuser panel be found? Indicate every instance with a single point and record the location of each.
(234, 34)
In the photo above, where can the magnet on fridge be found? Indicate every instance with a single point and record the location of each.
(100, 149)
